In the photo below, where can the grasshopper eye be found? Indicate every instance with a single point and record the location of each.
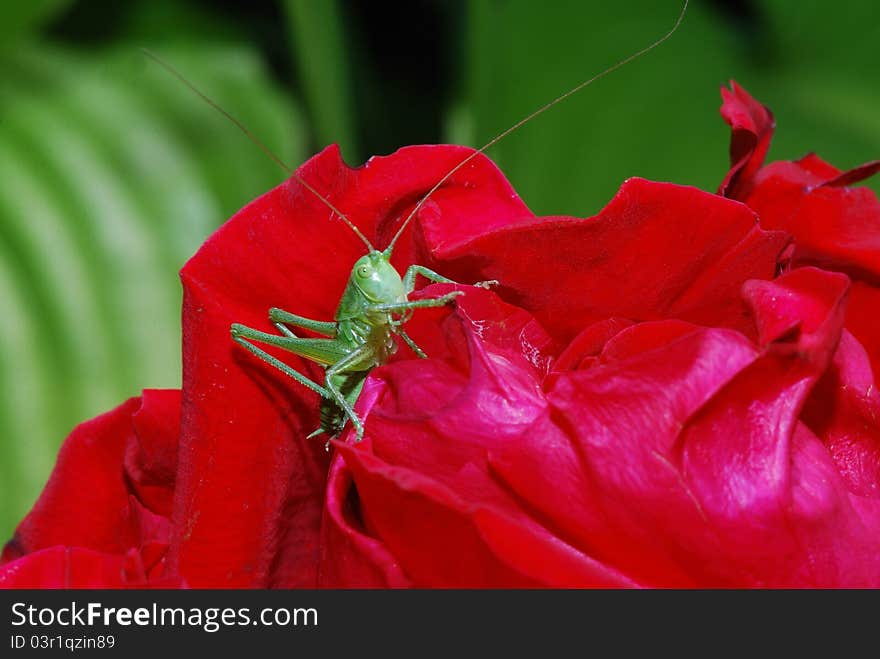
(363, 271)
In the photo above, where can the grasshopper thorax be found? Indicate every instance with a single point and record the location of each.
(378, 281)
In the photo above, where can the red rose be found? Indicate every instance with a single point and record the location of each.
(836, 227)
(103, 520)
(641, 402)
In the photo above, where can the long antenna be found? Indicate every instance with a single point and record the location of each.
(528, 118)
(253, 138)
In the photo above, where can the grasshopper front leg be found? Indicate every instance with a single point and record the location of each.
(409, 278)
(407, 308)
(403, 307)
(412, 344)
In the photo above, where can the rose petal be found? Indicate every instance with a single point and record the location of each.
(85, 503)
(583, 349)
(854, 175)
(861, 320)
(752, 127)
(834, 227)
(808, 300)
(150, 460)
(445, 541)
(686, 465)
(643, 337)
(422, 475)
(844, 412)
(656, 251)
(65, 567)
(776, 501)
(350, 558)
(599, 464)
(78, 534)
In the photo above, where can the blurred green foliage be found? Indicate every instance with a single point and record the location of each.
(114, 173)
(112, 177)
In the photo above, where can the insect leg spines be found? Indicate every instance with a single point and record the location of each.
(409, 278)
(400, 307)
(344, 375)
(281, 366)
(353, 362)
(333, 417)
(412, 344)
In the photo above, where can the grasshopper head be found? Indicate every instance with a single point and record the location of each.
(376, 278)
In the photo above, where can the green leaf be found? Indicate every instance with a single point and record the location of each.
(317, 41)
(18, 18)
(658, 116)
(114, 173)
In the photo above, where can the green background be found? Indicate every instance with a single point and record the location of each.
(112, 172)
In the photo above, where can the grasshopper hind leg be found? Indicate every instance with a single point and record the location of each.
(342, 367)
(281, 366)
(350, 369)
(282, 319)
(333, 416)
(337, 398)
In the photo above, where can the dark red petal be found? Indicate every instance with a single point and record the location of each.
(151, 455)
(250, 487)
(833, 227)
(75, 567)
(656, 251)
(614, 340)
(443, 540)
(643, 337)
(110, 492)
(861, 320)
(154, 537)
(85, 503)
(65, 567)
(752, 127)
(814, 168)
(808, 300)
(583, 349)
(350, 557)
(854, 175)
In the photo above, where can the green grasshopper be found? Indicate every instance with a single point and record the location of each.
(375, 304)
(373, 309)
